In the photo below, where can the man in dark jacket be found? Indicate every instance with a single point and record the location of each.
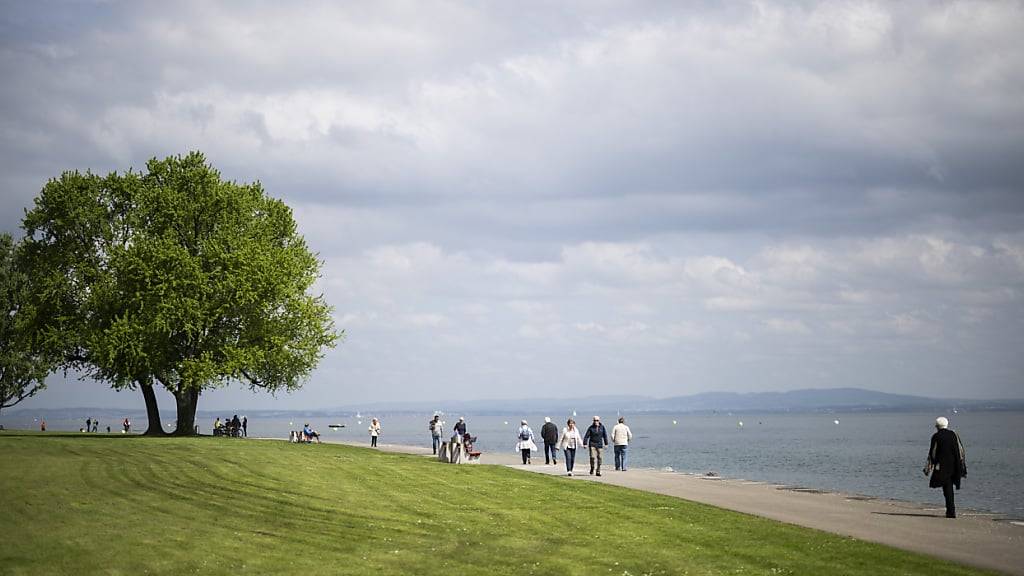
(946, 462)
(596, 439)
(549, 432)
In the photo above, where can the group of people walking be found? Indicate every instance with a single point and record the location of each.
(594, 440)
(93, 425)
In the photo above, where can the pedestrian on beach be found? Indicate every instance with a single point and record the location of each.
(460, 430)
(95, 425)
(245, 426)
(435, 432)
(596, 438)
(374, 432)
(621, 435)
(524, 441)
(946, 462)
(570, 441)
(126, 425)
(42, 425)
(88, 424)
(549, 433)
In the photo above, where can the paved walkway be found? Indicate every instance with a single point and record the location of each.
(977, 539)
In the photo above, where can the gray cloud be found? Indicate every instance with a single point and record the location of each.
(750, 196)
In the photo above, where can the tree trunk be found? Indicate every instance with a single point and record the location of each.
(156, 428)
(187, 400)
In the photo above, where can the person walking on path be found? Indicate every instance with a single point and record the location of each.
(459, 431)
(435, 432)
(596, 438)
(374, 432)
(570, 441)
(524, 441)
(95, 425)
(549, 433)
(621, 435)
(245, 426)
(127, 425)
(88, 424)
(946, 462)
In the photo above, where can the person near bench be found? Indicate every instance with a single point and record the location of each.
(308, 433)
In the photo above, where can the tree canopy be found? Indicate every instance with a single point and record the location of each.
(23, 369)
(174, 277)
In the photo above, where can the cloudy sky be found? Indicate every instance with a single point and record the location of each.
(517, 199)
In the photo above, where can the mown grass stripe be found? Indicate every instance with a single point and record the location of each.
(119, 505)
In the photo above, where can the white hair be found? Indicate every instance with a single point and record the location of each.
(546, 419)
(941, 423)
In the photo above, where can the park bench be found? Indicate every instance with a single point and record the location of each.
(456, 452)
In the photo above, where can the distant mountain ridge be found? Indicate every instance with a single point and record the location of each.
(807, 400)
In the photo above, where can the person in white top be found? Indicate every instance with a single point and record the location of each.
(621, 435)
(374, 432)
(571, 440)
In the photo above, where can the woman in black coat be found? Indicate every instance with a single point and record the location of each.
(946, 463)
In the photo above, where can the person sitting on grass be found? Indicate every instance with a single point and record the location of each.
(309, 434)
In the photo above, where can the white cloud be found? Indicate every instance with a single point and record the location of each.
(492, 199)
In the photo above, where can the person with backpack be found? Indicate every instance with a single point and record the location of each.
(524, 441)
(946, 462)
(596, 438)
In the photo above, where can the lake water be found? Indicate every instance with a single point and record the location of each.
(875, 454)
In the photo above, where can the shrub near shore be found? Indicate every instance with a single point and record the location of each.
(133, 505)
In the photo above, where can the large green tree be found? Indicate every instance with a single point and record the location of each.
(23, 369)
(177, 278)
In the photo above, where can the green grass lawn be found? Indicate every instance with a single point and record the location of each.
(75, 504)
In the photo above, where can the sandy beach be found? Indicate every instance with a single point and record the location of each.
(979, 539)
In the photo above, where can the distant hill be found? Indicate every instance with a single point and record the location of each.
(810, 400)
(843, 399)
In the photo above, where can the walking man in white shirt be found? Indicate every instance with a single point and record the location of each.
(621, 435)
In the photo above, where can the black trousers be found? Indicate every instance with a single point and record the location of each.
(526, 455)
(947, 493)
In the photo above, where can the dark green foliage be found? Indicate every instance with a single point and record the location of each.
(23, 369)
(175, 276)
